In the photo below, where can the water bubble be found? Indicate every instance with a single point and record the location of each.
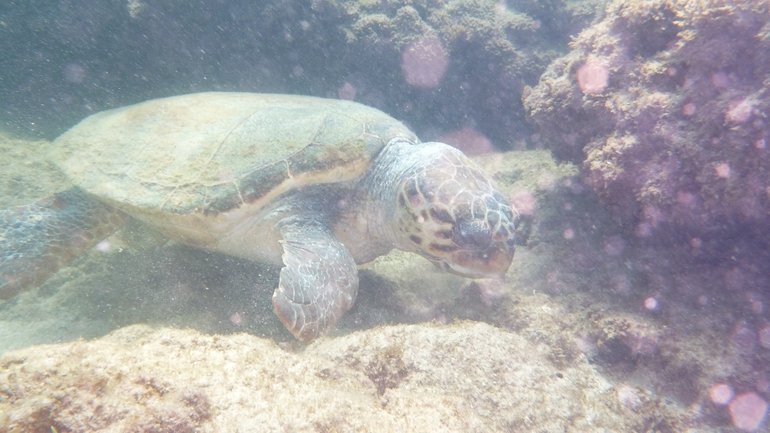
(74, 73)
(722, 170)
(685, 198)
(720, 80)
(490, 290)
(721, 394)
(651, 303)
(764, 336)
(524, 202)
(592, 77)
(748, 411)
(739, 111)
(424, 62)
(744, 339)
(689, 109)
(546, 182)
(347, 92)
(470, 141)
(614, 245)
(236, 319)
(643, 230)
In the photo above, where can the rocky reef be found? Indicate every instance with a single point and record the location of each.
(664, 103)
(463, 377)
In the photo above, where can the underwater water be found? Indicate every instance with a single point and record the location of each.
(630, 136)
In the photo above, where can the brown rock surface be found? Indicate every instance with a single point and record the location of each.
(462, 377)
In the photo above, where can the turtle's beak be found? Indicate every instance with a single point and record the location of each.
(490, 263)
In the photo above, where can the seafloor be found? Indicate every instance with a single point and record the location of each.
(157, 336)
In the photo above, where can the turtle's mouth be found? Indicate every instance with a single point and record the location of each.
(464, 272)
(490, 263)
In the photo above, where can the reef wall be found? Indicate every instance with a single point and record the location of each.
(664, 103)
(664, 106)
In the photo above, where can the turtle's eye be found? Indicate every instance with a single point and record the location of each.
(472, 235)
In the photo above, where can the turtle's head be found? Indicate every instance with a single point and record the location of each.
(454, 217)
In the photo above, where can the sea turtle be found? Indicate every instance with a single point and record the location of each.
(318, 185)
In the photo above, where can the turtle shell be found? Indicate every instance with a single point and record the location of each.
(210, 153)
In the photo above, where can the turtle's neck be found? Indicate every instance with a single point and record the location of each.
(369, 224)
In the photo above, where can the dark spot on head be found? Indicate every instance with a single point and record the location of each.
(502, 233)
(463, 212)
(401, 200)
(411, 188)
(443, 248)
(415, 239)
(444, 234)
(427, 192)
(479, 209)
(441, 214)
(493, 218)
(424, 215)
(472, 235)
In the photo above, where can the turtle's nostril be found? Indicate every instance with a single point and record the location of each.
(472, 235)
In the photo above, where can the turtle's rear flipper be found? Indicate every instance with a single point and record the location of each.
(38, 239)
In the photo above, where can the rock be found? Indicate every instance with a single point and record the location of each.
(461, 377)
(676, 133)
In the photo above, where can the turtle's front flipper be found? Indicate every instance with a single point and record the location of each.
(38, 239)
(318, 283)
